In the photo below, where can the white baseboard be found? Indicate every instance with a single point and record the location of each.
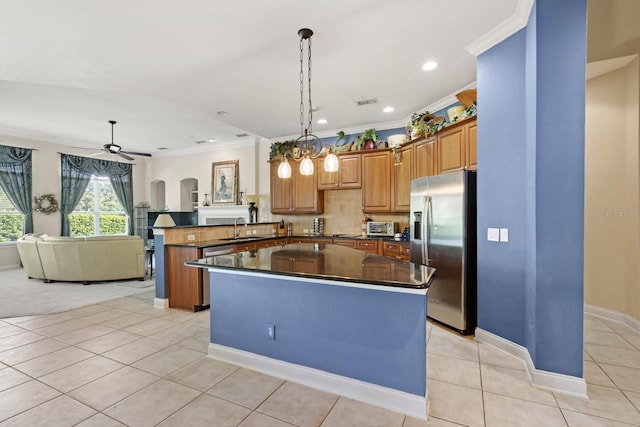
(559, 383)
(384, 397)
(614, 315)
(161, 303)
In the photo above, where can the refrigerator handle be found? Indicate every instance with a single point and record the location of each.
(424, 234)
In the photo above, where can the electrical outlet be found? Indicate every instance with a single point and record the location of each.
(305, 230)
(271, 332)
(504, 234)
(248, 232)
(254, 231)
(191, 237)
(493, 234)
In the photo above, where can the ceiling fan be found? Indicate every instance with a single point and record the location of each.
(117, 150)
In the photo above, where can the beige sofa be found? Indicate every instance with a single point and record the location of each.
(82, 259)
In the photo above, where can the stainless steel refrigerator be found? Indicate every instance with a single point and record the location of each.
(443, 235)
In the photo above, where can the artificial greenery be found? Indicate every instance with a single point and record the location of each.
(281, 148)
(369, 134)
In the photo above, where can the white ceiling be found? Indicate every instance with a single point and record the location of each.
(164, 68)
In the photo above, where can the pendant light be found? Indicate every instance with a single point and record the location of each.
(306, 138)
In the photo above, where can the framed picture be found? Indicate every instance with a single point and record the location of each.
(224, 182)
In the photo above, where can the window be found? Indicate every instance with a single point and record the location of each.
(10, 219)
(99, 211)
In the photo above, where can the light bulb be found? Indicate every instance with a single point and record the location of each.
(331, 163)
(284, 170)
(306, 166)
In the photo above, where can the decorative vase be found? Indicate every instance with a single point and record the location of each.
(369, 144)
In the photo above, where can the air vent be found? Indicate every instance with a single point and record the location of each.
(367, 101)
(162, 148)
(242, 135)
(203, 141)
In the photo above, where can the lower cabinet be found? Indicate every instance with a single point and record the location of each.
(397, 250)
(184, 284)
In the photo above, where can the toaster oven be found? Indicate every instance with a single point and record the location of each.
(381, 228)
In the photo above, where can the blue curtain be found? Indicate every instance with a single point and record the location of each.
(76, 174)
(15, 180)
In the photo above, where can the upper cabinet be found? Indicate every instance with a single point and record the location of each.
(377, 181)
(456, 147)
(403, 173)
(349, 174)
(472, 138)
(424, 157)
(298, 194)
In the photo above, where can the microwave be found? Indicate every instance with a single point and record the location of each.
(378, 228)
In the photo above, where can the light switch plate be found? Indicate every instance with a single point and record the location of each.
(493, 234)
(504, 234)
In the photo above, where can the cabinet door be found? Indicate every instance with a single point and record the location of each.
(403, 173)
(305, 194)
(280, 191)
(184, 284)
(424, 158)
(451, 149)
(472, 138)
(350, 173)
(377, 181)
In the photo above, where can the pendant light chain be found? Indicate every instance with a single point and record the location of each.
(309, 85)
(301, 86)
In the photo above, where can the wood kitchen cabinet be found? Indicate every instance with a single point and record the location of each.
(456, 147)
(403, 173)
(472, 143)
(377, 181)
(349, 174)
(184, 284)
(367, 245)
(397, 250)
(424, 157)
(349, 243)
(298, 194)
(451, 149)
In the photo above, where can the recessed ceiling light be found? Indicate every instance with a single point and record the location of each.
(430, 65)
(322, 121)
(388, 109)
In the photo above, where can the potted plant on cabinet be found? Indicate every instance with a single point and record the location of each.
(367, 141)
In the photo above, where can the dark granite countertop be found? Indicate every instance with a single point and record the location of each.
(230, 241)
(324, 261)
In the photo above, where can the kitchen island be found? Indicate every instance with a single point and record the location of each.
(330, 317)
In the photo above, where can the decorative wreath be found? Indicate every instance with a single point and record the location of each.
(49, 206)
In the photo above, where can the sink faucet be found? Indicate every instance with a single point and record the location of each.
(236, 233)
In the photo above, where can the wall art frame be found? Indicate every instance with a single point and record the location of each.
(224, 182)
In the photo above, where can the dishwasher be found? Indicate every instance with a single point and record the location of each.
(209, 252)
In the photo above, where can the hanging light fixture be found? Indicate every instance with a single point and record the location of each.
(307, 138)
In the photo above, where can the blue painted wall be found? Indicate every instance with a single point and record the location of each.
(531, 180)
(161, 287)
(374, 336)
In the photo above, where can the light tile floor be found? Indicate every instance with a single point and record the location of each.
(122, 362)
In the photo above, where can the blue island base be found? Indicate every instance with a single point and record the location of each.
(365, 342)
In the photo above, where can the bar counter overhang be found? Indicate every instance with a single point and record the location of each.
(330, 317)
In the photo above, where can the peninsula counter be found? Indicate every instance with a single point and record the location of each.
(327, 316)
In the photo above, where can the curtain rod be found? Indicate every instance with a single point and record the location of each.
(116, 161)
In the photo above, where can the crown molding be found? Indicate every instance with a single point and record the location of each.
(449, 99)
(516, 22)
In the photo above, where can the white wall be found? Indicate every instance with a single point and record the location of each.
(253, 173)
(47, 178)
(612, 191)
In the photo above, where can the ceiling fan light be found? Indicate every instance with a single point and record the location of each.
(331, 163)
(306, 166)
(284, 170)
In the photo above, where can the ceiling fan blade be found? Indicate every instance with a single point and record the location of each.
(136, 153)
(124, 156)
